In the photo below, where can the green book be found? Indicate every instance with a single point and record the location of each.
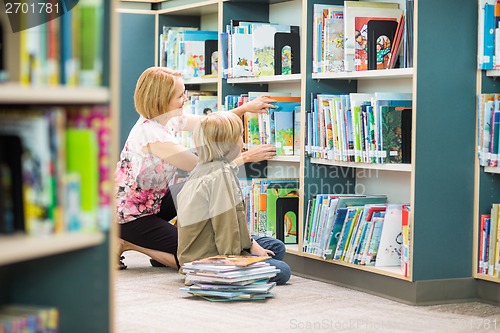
(282, 198)
(82, 157)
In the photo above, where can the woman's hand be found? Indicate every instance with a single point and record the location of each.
(259, 250)
(260, 104)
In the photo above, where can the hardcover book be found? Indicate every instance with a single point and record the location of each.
(381, 35)
(230, 260)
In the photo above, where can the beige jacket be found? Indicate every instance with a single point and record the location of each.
(211, 213)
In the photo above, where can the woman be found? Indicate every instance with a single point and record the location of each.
(150, 158)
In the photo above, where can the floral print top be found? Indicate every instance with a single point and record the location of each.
(141, 177)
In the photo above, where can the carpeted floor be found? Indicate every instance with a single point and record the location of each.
(148, 300)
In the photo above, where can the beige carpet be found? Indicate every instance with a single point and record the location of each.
(148, 300)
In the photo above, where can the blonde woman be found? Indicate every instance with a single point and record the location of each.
(150, 158)
(211, 210)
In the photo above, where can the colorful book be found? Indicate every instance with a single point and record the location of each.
(82, 157)
(353, 9)
(282, 201)
(389, 251)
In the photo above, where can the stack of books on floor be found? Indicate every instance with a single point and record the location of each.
(230, 278)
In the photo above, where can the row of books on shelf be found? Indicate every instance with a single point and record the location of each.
(280, 126)
(360, 127)
(489, 238)
(358, 229)
(251, 48)
(488, 50)
(17, 318)
(62, 47)
(229, 278)
(272, 207)
(488, 129)
(54, 170)
(358, 36)
(192, 52)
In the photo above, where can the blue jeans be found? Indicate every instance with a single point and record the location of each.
(279, 250)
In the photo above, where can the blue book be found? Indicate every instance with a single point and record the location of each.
(335, 233)
(199, 35)
(488, 38)
(345, 232)
(371, 256)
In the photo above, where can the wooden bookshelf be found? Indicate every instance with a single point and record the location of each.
(373, 166)
(18, 248)
(18, 94)
(292, 78)
(440, 92)
(400, 73)
(492, 170)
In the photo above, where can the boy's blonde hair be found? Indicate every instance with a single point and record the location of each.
(217, 135)
(154, 90)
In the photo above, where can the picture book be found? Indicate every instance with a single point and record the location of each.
(283, 104)
(11, 184)
(263, 46)
(282, 201)
(373, 212)
(224, 55)
(373, 247)
(381, 33)
(486, 34)
(241, 55)
(353, 9)
(334, 43)
(405, 249)
(286, 53)
(33, 128)
(389, 251)
(346, 232)
(284, 132)
(211, 57)
(192, 58)
(348, 201)
(395, 134)
(230, 260)
(396, 45)
(338, 223)
(82, 157)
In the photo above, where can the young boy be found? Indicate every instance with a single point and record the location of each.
(211, 210)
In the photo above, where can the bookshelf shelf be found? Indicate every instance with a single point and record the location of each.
(401, 73)
(387, 167)
(17, 94)
(72, 272)
(293, 78)
(181, 7)
(19, 248)
(394, 272)
(201, 80)
(493, 73)
(487, 278)
(424, 184)
(290, 159)
(492, 170)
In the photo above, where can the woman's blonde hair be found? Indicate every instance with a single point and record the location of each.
(154, 90)
(217, 136)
